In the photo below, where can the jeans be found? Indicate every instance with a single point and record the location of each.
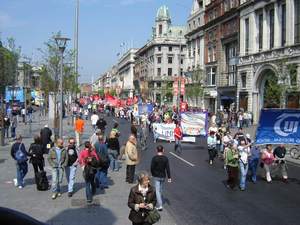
(70, 175)
(13, 132)
(253, 167)
(178, 145)
(130, 170)
(158, 182)
(78, 138)
(114, 164)
(22, 169)
(57, 176)
(281, 166)
(232, 176)
(29, 117)
(243, 174)
(212, 152)
(102, 178)
(38, 167)
(90, 188)
(6, 132)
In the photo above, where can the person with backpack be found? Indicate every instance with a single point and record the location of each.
(45, 135)
(102, 151)
(19, 153)
(88, 157)
(58, 160)
(71, 167)
(36, 155)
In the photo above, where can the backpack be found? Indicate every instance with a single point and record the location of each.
(41, 181)
(20, 155)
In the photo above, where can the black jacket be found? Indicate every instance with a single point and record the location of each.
(101, 124)
(160, 166)
(46, 134)
(113, 144)
(36, 153)
(136, 197)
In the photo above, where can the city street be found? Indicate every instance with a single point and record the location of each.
(196, 195)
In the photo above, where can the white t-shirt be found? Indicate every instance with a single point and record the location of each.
(94, 119)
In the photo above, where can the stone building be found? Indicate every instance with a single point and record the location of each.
(269, 55)
(160, 60)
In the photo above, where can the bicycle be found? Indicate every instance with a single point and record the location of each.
(295, 152)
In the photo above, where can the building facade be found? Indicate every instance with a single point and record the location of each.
(161, 60)
(126, 73)
(269, 62)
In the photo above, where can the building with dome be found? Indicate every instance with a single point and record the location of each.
(161, 60)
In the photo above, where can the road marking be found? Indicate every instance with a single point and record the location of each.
(178, 157)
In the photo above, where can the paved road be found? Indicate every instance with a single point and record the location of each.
(197, 195)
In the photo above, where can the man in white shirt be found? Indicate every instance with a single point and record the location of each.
(94, 119)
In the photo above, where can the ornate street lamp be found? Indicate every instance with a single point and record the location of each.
(61, 43)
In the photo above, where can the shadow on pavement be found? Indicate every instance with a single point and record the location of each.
(86, 215)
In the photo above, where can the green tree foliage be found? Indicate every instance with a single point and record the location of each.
(273, 91)
(9, 56)
(195, 89)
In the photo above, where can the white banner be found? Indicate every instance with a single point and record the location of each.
(165, 131)
(194, 124)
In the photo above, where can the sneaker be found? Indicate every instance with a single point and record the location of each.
(159, 208)
(70, 194)
(210, 162)
(20, 187)
(15, 182)
(54, 196)
(89, 201)
(59, 194)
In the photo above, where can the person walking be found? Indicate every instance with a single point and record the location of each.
(160, 169)
(71, 167)
(141, 200)
(232, 165)
(113, 151)
(19, 154)
(79, 128)
(102, 151)
(87, 159)
(101, 124)
(211, 146)
(280, 164)
(132, 158)
(268, 158)
(23, 114)
(94, 119)
(58, 160)
(253, 162)
(178, 137)
(6, 126)
(36, 155)
(13, 127)
(45, 135)
(244, 153)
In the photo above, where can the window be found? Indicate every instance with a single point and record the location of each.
(158, 71)
(211, 76)
(170, 60)
(271, 16)
(159, 60)
(170, 72)
(210, 54)
(247, 36)
(199, 21)
(160, 29)
(181, 72)
(194, 23)
(297, 21)
(260, 30)
(244, 79)
(170, 48)
(181, 61)
(231, 75)
(214, 53)
(283, 25)
(158, 84)
(159, 48)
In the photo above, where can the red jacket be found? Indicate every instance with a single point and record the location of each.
(178, 133)
(84, 154)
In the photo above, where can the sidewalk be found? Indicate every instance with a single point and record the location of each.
(109, 207)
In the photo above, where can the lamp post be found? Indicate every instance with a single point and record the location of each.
(61, 43)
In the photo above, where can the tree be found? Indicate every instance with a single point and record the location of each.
(195, 88)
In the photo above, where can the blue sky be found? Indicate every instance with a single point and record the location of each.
(103, 26)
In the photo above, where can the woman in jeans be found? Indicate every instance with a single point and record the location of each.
(268, 158)
(87, 157)
(113, 150)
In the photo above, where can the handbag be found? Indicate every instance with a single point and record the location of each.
(152, 217)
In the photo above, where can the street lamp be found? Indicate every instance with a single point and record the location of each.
(61, 43)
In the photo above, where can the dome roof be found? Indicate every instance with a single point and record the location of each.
(163, 13)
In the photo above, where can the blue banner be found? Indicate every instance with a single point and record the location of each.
(278, 126)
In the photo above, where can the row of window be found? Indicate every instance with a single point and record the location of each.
(170, 60)
(270, 14)
(170, 72)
